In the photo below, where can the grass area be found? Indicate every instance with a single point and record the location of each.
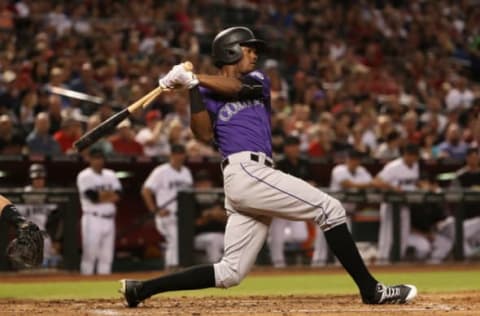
(307, 284)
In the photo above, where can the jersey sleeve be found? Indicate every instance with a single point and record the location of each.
(117, 185)
(82, 183)
(154, 180)
(387, 174)
(260, 77)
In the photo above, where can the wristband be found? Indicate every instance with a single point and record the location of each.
(10, 214)
(196, 100)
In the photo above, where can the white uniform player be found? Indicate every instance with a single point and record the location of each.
(37, 211)
(350, 175)
(401, 174)
(99, 191)
(160, 195)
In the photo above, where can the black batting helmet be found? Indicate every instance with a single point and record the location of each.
(226, 47)
(37, 171)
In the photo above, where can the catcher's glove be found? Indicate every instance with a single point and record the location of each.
(26, 251)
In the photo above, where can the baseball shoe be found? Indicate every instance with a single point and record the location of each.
(397, 294)
(129, 290)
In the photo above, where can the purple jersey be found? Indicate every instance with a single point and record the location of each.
(241, 125)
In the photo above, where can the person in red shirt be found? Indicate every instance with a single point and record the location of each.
(124, 142)
(69, 133)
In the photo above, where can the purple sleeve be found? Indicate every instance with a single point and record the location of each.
(207, 96)
(262, 78)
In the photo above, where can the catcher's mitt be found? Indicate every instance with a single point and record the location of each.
(26, 251)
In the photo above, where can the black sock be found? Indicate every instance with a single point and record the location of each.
(196, 277)
(341, 243)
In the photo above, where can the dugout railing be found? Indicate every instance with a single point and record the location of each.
(67, 201)
(454, 199)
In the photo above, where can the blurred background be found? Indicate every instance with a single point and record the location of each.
(367, 77)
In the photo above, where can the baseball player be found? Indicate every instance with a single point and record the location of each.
(38, 212)
(232, 108)
(210, 219)
(26, 250)
(346, 176)
(99, 190)
(401, 174)
(467, 177)
(160, 195)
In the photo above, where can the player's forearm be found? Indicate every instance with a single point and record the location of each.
(148, 199)
(200, 122)
(220, 84)
(202, 127)
(109, 197)
(9, 212)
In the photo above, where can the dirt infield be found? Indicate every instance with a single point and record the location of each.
(458, 303)
(466, 303)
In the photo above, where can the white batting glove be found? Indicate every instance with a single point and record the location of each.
(178, 77)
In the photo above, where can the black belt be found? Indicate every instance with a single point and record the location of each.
(253, 157)
(100, 215)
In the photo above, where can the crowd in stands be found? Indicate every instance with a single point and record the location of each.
(368, 75)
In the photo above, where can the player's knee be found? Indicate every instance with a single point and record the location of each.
(332, 214)
(227, 276)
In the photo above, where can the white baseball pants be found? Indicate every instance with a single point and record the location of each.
(98, 244)
(254, 194)
(385, 234)
(168, 228)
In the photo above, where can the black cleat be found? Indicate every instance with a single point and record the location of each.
(129, 289)
(397, 294)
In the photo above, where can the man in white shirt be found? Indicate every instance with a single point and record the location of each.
(350, 175)
(159, 193)
(401, 174)
(153, 137)
(99, 190)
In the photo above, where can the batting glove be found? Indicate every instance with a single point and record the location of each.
(178, 77)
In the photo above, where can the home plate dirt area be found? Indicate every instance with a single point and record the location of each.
(444, 303)
(464, 303)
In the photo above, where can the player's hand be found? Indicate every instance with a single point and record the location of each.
(178, 77)
(162, 212)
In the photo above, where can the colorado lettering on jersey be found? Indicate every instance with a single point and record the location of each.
(103, 187)
(231, 108)
(178, 184)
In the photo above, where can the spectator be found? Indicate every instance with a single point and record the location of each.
(453, 147)
(124, 142)
(389, 149)
(39, 141)
(12, 142)
(152, 137)
(102, 144)
(69, 133)
(459, 97)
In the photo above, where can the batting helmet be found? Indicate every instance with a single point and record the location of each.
(37, 171)
(226, 47)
